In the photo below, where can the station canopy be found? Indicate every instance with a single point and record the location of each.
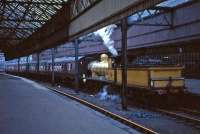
(21, 18)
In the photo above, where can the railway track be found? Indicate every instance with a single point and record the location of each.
(184, 114)
(121, 119)
(188, 115)
(181, 115)
(190, 111)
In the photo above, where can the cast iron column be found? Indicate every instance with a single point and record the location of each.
(76, 46)
(115, 71)
(27, 64)
(124, 63)
(18, 65)
(53, 63)
(38, 63)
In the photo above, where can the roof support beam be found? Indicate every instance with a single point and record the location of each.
(22, 20)
(3, 5)
(106, 17)
(53, 32)
(9, 38)
(161, 8)
(18, 28)
(24, 15)
(34, 3)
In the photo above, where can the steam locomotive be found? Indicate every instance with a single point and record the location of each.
(158, 79)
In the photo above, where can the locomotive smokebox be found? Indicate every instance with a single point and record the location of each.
(99, 68)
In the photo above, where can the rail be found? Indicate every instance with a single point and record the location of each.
(180, 116)
(123, 120)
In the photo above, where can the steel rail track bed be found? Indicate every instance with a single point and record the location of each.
(123, 120)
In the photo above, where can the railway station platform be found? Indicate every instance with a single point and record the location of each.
(193, 86)
(28, 108)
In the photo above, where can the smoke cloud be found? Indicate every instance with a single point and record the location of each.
(105, 34)
(104, 95)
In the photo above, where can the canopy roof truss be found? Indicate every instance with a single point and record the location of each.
(29, 26)
(20, 18)
(24, 22)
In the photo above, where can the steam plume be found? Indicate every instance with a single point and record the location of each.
(105, 34)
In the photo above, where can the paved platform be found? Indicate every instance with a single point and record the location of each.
(28, 108)
(193, 85)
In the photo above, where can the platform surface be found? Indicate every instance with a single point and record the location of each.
(28, 108)
(193, 86)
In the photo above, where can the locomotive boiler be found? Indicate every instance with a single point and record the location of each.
(100, 68)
